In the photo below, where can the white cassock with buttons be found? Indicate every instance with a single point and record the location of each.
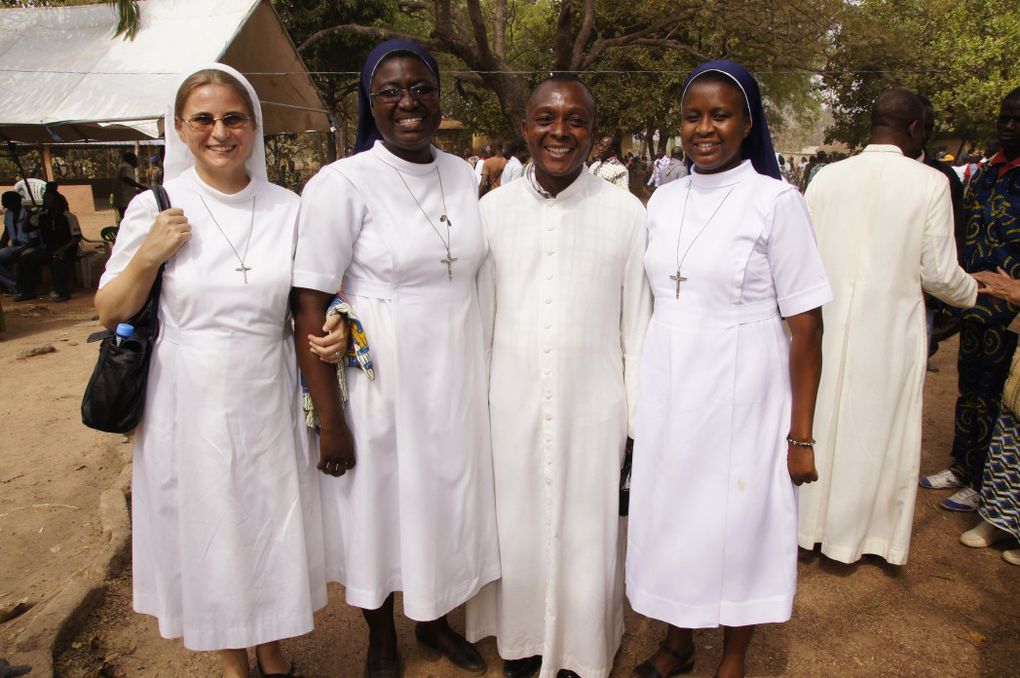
(566, 305)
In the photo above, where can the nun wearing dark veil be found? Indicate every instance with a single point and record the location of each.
(726, 400)
(406, 483)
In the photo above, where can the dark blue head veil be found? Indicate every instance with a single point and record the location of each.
(368, 133)
(757, 146)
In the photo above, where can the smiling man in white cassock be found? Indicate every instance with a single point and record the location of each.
(566, 304)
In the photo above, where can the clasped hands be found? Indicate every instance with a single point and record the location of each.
(998, 284)
(331, 347)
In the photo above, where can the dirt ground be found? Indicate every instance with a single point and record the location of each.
(952, 611)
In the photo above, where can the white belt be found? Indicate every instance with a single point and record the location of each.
(195, 337)
(670, 311)
(452, 290)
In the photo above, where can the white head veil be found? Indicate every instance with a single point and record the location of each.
(179, 157)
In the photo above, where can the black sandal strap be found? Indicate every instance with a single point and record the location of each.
(682, 658)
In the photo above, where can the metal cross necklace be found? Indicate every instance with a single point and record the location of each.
(242, 269)
(444, 219)
(677, 277)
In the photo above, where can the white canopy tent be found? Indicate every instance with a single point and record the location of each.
(66, 78)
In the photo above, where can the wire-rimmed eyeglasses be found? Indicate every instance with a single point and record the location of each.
(393, 95)
(205, 121)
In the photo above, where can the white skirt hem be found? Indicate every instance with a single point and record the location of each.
(773, 610)
(875, 546)
(529, 647)
(417, 608)
(266, 630)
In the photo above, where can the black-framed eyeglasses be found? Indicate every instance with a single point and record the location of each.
(205, 122)
(393, 95)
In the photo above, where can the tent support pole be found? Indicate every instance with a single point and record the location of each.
(47, 158)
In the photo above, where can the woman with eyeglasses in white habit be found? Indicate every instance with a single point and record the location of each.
(225, 509)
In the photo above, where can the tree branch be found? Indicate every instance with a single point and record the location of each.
(667, 43)
(471, 78)
(372, 32)
(585, 32)
(480, 33)
(499, 29)
(564, 36)
(413, 7)
(445, 32)
(458, 84)
(654, 30)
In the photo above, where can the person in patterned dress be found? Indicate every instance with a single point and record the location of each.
(999, 505)
(992, 205)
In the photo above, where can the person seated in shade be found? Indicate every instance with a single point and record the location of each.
(17, 238)
(59, 235)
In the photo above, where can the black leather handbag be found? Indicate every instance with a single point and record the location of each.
(115, 396)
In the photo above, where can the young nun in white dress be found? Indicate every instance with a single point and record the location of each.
(726, 400)
(412, 508)
(227, 535)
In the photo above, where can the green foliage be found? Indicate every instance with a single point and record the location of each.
(128, 17)
(335, 60)
(128, 13)
(530, 31)
(978, 62)
(636, 76)
(963, 54)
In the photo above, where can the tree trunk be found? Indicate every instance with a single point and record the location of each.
(512, 93)
(663, 143)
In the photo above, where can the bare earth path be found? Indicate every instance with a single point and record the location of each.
(952, 611)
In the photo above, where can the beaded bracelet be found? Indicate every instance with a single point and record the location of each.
(800, 443)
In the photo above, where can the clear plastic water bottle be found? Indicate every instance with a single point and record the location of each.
(124, 331)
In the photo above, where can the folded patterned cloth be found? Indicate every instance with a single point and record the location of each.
(358, 355)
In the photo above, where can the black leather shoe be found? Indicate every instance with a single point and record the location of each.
(384, 667)
(685, 664)
(522, 668)
(461, 653)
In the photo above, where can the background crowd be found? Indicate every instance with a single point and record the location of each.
(532, 350)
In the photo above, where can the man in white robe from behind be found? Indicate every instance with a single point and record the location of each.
(885, 231)
(564, 295)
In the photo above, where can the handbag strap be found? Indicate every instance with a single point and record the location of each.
(145, 320)
(162, 199)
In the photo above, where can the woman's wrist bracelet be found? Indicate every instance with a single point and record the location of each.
(800, 443)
